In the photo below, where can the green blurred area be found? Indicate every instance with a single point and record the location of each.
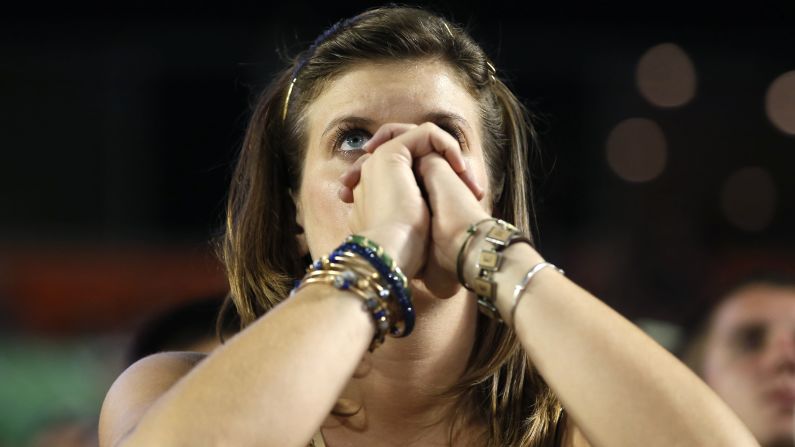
(45, 382)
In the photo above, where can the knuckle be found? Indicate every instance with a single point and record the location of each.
(429, 126)
(388, 127)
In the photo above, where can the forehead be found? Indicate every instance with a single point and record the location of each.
(758, 303)
(394, 92)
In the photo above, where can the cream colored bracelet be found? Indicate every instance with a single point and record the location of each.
(501, 236)
(518, 291)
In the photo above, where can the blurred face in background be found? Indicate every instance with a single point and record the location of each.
(749, 359)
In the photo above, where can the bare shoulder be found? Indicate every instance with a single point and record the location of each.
(137, 388)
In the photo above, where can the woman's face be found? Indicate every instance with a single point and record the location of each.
(351, 109)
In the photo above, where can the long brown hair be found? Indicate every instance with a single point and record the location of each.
(260, 249)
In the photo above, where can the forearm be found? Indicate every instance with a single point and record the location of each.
(620, 387)
(272, 384)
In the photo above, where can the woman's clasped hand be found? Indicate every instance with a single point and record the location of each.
(386, 186)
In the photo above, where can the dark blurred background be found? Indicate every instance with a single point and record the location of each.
(669, 145)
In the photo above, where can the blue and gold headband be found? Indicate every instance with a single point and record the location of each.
(334, 29)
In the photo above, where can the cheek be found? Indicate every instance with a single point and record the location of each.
(481, 174)
(731, 376)
(325, 215)
(478, 165)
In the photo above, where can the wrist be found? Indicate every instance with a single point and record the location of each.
(491, 257)
(401, 245)
(362, 266)
(477, 239)
(462, 245)
(518, 258)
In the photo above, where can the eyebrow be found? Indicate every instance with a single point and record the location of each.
(360, 121)
(348, 119)
(446, 116)
(748, 326)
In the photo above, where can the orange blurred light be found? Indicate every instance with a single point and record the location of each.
(780, 102)
(636, 150)
(665, 76)
(70, 290)
(748, 199)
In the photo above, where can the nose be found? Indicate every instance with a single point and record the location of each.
(780, 353)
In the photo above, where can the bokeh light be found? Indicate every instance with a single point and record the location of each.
(748, 199)
(780, 102)
(665, 76)
(636, 150)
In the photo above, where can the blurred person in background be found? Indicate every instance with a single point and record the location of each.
(192, 326)
(67, 432)
(743, 346)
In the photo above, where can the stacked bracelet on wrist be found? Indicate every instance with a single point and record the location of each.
(499, 237)
(361, 267)
(395, 279)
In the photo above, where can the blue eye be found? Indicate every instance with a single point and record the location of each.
(353, 141)
(348, 142)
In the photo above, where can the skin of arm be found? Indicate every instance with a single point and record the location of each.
(134, 392)
(275, 382)
(278, 396)
(286, 370)
(619, 387)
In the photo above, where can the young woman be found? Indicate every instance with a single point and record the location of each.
(390, 146)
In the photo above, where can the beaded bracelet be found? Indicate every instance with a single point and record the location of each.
(397, 326)
(379, 251)
(357, 276)
(395, 279)
(347, 280)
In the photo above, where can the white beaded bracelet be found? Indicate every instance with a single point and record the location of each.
(520, 288)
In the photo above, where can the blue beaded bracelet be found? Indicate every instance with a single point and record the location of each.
(394, 282)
